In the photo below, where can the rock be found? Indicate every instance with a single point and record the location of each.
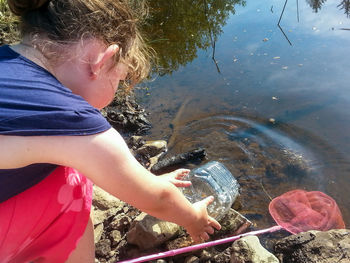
(103, 247)
(98, 231)
(249, 249)
(191, 259)
(115, 237)
(120, 222)
(315, 246)
(152, 148)
(104, 200)
(222, 257)
(149, 232)
(99, 216)
(234, 223)
(125, 115)
(180, 159)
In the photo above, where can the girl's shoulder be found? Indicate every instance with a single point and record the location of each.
(34, 102)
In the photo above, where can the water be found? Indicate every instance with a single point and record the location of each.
(272, 106)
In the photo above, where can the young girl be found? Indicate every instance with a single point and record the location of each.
(54, 140)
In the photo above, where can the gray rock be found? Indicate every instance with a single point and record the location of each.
(149, 232)
(315, 246)
(249, 249)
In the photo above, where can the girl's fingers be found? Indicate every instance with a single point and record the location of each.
(180, 183)
(214, 223)
(209, 229)
(204, 236)
(180, 173)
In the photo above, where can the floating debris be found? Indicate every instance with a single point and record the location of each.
(235, 59)
(276, 57)
(272, 120)
(314, 28)
(274, 98)
(300, 65)
(265, 39)
(285, 67)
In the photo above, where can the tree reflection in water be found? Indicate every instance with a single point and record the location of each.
(178, 29)
(317, 4)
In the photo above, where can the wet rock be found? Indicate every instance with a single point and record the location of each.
(149, 232)
(180, 159)
(233, 223)
(152, 148)
(315, 246)
(249, 249)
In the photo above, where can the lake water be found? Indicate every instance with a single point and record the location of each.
(271, 103)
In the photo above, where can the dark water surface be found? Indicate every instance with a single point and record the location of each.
(273, 106)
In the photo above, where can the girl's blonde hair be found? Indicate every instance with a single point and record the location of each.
(63, 22)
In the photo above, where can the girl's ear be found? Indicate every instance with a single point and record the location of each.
(102, 58)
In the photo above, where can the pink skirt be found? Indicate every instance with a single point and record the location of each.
(45, 222)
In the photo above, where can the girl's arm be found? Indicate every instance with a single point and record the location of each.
(106, 160)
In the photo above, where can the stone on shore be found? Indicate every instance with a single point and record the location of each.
(315, 247)
(149, 232)
(249, 249)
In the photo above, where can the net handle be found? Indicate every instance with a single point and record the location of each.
(178, 251)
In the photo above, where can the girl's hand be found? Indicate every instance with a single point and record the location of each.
(205, 224)
(176, 177)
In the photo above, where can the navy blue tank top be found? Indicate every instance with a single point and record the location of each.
(33, 103)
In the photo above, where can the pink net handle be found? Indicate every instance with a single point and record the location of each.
(299, 211)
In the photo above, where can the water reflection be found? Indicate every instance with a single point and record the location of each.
(345, 5)
(177, 29)
(317, 4)
(304, 88)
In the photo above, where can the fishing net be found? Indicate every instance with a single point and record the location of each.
(299, 211)
(295, 211)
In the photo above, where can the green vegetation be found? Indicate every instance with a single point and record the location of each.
(8, 25)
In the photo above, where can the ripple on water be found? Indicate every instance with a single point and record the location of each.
(267, 158)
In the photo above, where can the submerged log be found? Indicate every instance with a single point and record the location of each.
(168, 162)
